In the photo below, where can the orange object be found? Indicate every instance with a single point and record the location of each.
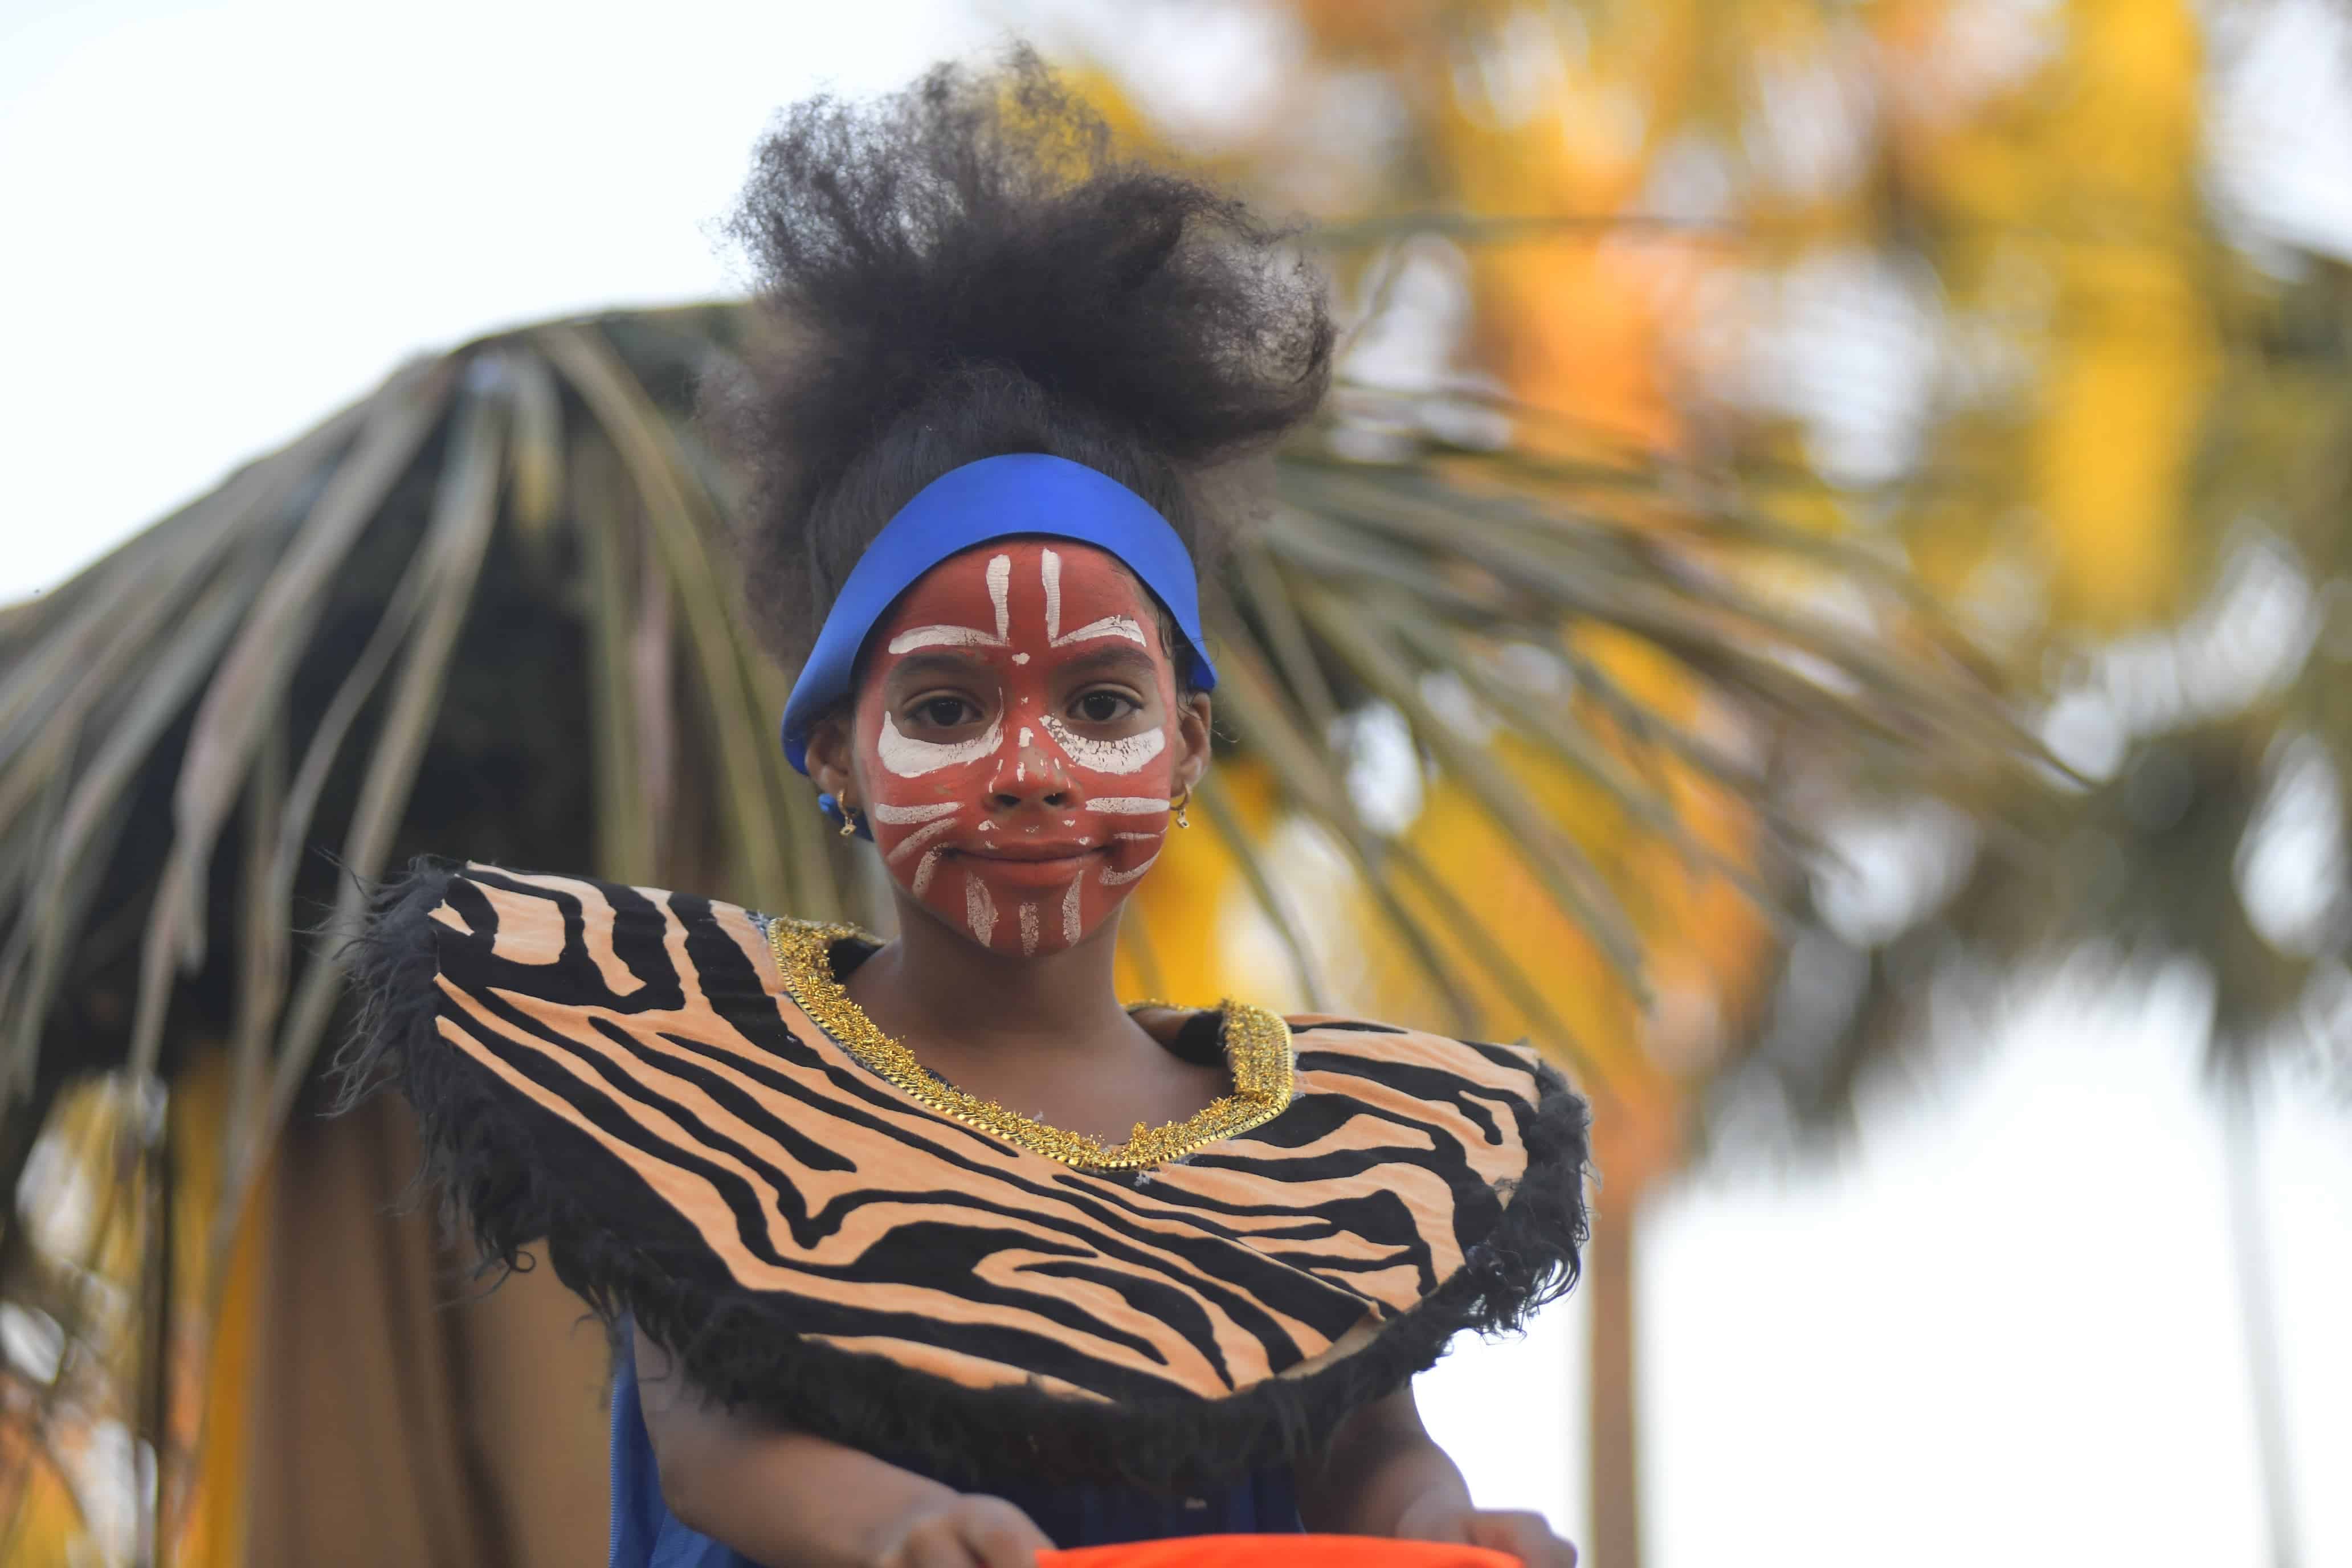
(1279, 1552)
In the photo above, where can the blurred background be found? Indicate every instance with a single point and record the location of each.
(1820, 598)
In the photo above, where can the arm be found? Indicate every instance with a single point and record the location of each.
(1382, 1474)
(793, 1501)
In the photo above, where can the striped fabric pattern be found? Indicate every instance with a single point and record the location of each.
(645, 1039)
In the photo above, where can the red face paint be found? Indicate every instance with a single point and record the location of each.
(1016, 742)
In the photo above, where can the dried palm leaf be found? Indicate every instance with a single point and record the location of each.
(491, 610)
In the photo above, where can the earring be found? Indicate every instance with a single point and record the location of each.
(1181, 820)
(848, 821)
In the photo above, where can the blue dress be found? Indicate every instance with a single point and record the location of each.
(645, 1535)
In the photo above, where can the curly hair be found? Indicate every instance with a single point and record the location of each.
(967, 268)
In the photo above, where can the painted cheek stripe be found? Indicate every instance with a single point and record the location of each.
(920, 836)
(899, 816)
(1129, 754)
(1111, 879)
(1127, 804)
(912, 759)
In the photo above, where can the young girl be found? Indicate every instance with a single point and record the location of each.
(929, 1252)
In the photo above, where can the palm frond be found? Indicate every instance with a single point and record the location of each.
(317, 668)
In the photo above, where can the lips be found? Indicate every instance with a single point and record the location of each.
(1032, 864)
(1031, 849)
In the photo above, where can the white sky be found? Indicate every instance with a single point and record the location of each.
(2002, 1331)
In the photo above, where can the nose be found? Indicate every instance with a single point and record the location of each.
(1030, 774)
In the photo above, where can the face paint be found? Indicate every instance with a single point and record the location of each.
(1015, 742)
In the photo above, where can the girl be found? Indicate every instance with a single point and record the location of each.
(929, 1252)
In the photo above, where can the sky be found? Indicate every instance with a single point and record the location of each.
(1999, 1327)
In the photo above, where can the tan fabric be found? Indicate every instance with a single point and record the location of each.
(396, 1420)
(660, 1032)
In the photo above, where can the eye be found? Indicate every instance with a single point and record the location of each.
(1103, 706)
(945, 712)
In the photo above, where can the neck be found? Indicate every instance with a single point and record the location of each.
(935, 983)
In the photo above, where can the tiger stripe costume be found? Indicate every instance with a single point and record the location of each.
(625, 1076)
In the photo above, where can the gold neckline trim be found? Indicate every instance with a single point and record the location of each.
(1257, 1053)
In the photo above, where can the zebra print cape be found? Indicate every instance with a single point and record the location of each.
(622, 1078)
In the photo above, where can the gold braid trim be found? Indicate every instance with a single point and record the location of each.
(1257, 1053)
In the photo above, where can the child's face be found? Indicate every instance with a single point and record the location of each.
(1017, 738)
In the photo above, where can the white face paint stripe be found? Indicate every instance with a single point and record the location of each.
(920, 836)
(1138, 836)
(1000, 584)
(1028, 929)
(1129, 754)
(913, 759)
(1025, 737)
(1050, 568)
(1109, 626)
(1127, 806)
(923, 873)
(1111, 879)
(979, 909)
(944, 636)
(899, 816)
(1070, 932)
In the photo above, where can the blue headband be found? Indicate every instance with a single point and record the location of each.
(995, 498)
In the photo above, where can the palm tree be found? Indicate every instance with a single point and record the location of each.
(490, 607)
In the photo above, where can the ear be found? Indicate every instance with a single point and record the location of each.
(831, 760)
(1192, 734)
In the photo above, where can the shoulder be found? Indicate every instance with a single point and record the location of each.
(1418, 1060)
(1370, 1038)
(1502, 1126)
(465, 975)
(457, 895)
(472, 923)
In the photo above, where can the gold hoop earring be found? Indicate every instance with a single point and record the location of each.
(849, 822)
(1181, 820)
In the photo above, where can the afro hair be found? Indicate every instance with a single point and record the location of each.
(967, 268)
